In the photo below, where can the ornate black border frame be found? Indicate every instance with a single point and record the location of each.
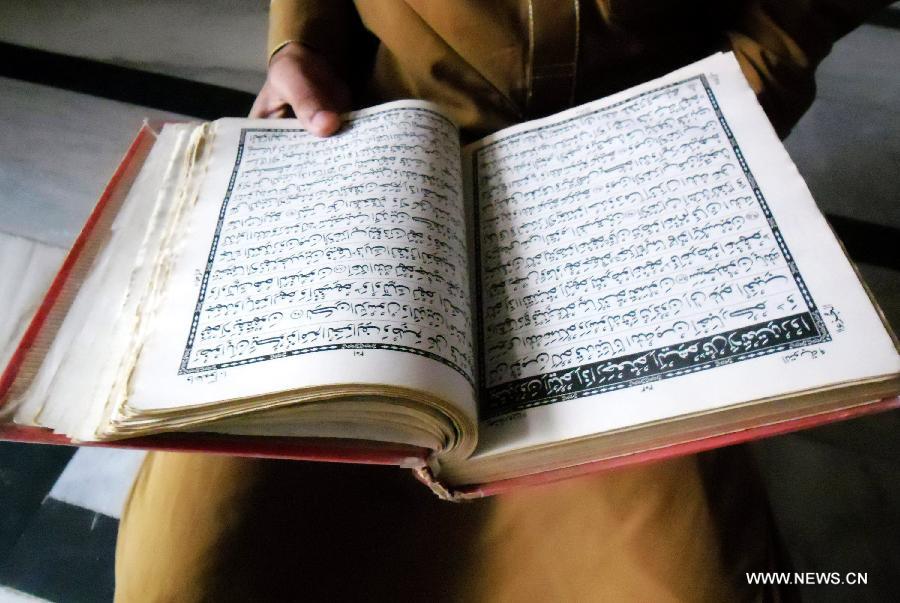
(660, 363)
(185, 369)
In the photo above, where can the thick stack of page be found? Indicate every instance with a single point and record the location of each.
(256, 314)
(637, 272)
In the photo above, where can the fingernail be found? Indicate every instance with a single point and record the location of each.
(322, 122)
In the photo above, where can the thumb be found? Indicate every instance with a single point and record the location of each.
(316, 98)
(316, 118)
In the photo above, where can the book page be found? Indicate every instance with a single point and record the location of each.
(308, 262)
(651, 255)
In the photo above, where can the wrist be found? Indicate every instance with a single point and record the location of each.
(286, 48)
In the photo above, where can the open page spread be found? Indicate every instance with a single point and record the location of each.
(652, 255)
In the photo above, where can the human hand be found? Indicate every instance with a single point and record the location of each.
(301, 80)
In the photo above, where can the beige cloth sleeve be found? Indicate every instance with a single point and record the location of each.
(321, 25)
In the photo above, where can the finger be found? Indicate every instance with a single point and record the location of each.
(267, 106)
(260, 105)
(325, 123)
(315, 118)
(314, 111)
(278, 112)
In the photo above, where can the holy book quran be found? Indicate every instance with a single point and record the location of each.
(625, 277)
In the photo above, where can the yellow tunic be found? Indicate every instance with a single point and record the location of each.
(495, 62)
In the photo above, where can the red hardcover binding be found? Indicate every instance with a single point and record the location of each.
(312, 449)
(334, 449)
(685, 448)
(302, 449)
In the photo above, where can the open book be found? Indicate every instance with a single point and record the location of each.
(639, 272)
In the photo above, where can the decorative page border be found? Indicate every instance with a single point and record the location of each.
(185, 358)
(632, 370)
